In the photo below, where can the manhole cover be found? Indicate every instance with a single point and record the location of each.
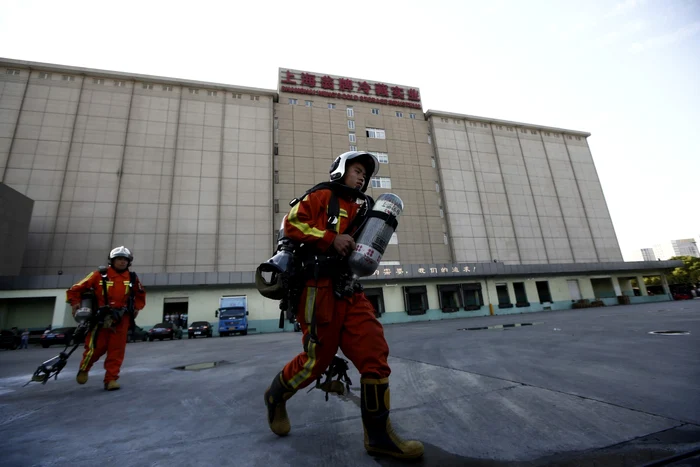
(671, 333)
(201, 366)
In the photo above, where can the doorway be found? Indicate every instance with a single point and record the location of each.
(175, 311)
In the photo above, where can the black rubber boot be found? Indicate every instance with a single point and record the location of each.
(276, 398)
(380, 438)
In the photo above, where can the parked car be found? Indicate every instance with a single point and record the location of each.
(137, 334)
(164, 331)
(61, 336)
(9, 340)
(200, 329)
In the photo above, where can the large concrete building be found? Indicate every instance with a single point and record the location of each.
(679, 247)
(195, 178)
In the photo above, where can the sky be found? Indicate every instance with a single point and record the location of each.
(627, 71)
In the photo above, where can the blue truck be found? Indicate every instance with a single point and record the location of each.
(233, 315)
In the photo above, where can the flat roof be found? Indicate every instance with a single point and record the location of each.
(131, 76)
(440, 113)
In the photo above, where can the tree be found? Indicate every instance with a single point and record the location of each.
(689, 273)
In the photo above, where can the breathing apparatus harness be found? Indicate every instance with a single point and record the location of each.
(105, 316)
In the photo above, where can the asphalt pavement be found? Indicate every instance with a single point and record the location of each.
(578, 387)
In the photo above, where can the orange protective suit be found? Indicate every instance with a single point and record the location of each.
(348, 322)
(109, 340)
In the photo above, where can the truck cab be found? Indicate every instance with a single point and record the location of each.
(233, 315)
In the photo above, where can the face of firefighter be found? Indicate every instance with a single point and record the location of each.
(120, 263)
(355, 175)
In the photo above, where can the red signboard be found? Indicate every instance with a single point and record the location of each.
(379, 93)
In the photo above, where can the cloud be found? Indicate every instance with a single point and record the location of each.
(627, 29)
(623, 7)
(667, 39)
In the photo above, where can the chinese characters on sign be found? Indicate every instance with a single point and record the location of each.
(326, 86)
(430, 271)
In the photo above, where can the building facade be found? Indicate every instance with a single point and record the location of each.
(196, 177)
(648, 254)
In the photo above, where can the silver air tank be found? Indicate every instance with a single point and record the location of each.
(375, 235)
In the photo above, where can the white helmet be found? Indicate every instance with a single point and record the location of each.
(121, 251)
(340, 163)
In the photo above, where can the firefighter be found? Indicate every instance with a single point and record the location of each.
(329, 322)
(120, 296)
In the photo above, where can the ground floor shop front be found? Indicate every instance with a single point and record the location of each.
(399, 295)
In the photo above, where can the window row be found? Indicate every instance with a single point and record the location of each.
(350, 111)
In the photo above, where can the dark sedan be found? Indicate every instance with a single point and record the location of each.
(9, 340)
(61, 336)
(200, 329)
(164, 331)
(137, 334)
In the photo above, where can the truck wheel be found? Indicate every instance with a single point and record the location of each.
(244, 333)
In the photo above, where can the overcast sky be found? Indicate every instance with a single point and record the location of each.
(626, 71)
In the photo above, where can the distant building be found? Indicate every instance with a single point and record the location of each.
(648, 254)
(680, 247)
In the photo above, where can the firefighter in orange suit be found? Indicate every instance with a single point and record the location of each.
(329, 322)
(109, 334)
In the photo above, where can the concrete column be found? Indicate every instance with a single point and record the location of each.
(667, 289)
(61, 313)
(616, 286)
(642, 286)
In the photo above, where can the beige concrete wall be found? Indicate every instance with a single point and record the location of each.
(180, 174)
(521, 195)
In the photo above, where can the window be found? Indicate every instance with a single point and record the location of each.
(381, 182)
(568, 136)
(98, 81)
(543, 291)
(44, 75)
(68, 78)
(167, 87)
(277, 176)
(430, 139)
(415, 300)
(394, 240)
(237, 96)
(353, 148)
(376, 133)
(399, 114)
(471, 296)
(499, 127)
(309, 103)
(520, 294)
(211, 93)
(503, 296)
(331, 106)
(351, 124)
(578, 138)
(12, 72)
(442, 213)
(375, 111)
(546, 133)
(437, 187)
(194, 91)
(432, 162)
(523, 130)
(119, 84)
(277, 206)
(146, 86)
(254, 98)
(444, 239)
(352, 138)
(412, 116)
(382, 157)
(350, 112)
(533, 132)
(376, 298)
(292, 101)
(484, 125)
(449, 296)
(444, 120)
